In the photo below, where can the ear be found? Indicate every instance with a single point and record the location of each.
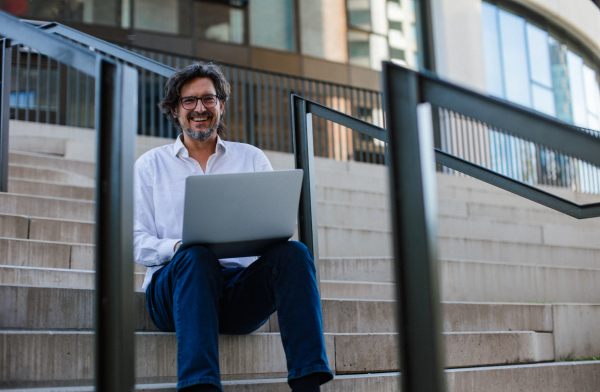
(174, 113)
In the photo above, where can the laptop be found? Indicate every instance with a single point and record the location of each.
(240, 214)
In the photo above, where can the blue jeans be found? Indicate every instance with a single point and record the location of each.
(194, 297)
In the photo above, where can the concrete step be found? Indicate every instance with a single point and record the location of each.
(50, 189)
(47, 207)
(46, 254)
(463, 280)
(479, 281)
(250, 356)
(48, 174)
(87, 169)
(547, 377)
(46, 229)
(375, 227)
(383, 382)
(34, 307)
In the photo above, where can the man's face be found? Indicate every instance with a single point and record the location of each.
(201, 122)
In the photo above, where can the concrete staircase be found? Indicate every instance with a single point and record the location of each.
(518, 283)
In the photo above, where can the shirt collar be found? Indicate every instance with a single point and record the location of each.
(180, 150)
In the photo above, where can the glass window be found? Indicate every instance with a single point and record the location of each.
(578, 104)
(526, 65)
(543, 100)
(359, 14)
(219, 22)
(157, 15)
(491, 50)
(560, 80)
(514, 58)
(272, 24)
(358, 48)
(539, 56)
(379, 30)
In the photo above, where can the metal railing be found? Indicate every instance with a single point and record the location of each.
(413, 101)
(257, 112)
(115, 95)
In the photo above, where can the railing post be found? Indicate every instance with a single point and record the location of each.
(304, 158)
(6, 55)
(116, 125)
(412, 191)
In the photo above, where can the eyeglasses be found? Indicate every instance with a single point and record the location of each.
(190, 103)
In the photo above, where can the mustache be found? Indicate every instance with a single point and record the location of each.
(201, 114)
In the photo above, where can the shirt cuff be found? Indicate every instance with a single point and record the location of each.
(165, 250)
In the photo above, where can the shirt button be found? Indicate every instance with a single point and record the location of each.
(195, 163)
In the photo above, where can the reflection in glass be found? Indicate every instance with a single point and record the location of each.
(359, 14)
(543, 100)
(539, 57)
(575, 69)
(219, 22)
(514, 59)
(592, 98)
(491, 50)
(157, 15)
(560, 80)
(272, 24)
(358, 48)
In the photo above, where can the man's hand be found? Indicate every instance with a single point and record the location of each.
(177, 246)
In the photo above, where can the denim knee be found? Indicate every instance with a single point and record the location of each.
(293, 256)
(197, 258)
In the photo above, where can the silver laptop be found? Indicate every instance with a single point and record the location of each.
(240, 214)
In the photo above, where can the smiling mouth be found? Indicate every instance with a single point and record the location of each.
(200, 118)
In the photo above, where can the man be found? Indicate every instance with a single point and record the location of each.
(193, 293)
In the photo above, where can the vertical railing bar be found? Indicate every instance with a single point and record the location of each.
(27, 83)
(274, 112)
(334, 127)
(304, 159)
(350, 132)
(77, 97)
(144, 127)
(245, 121)
(414, 217)
(17, 80)
(268, 113)
(87, 101)
(161, 118)
(38, 87)
(322, 122)
(235, 105)
(259, 108)
(68, 97)
(284, 119)
(252, 108)
(228, 105)
(58, 90)
(5, 85)
(152, 100)
(315, 129)
(48, 87)
(116, 97)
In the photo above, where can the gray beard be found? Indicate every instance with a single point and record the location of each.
(200, 136)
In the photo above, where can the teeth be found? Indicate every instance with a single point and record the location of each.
(199, 118)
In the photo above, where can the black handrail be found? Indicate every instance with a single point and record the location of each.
(116, 98)
(108, 48)
(409, 99)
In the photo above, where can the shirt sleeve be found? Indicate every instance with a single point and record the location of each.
(148, 249)
(261, 162)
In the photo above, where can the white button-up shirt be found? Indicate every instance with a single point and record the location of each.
(159, 191)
